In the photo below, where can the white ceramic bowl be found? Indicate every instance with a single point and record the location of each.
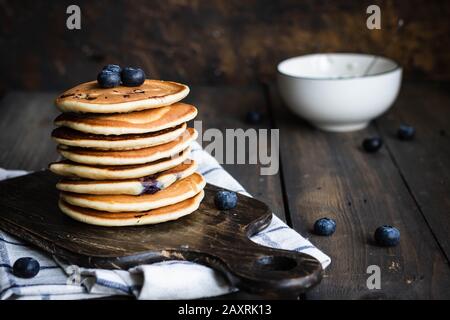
(339, 91)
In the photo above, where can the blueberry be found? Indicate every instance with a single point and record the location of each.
(113, 67)
(387, 236)
(26, 267)
(372, 144)
(132, 77)
(324, 227)
(253, 117)
(108, 79)
(150, 185)
(225, 200)
(406, 132)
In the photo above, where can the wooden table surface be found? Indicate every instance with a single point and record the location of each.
(405, 184)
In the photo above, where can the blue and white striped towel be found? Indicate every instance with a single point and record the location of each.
(164, 280)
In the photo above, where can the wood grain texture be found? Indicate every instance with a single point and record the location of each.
(26, 121)
(219, 239)
(328, 175)
(218, 41)
(424, 161)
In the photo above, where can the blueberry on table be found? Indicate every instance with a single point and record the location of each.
(406, 132)
(108, 79)
(387, 236)
(324, 227)
(225, 200)
(132, 77)
(26, 267)
(372, 144)
(253, 117)
(113, 68)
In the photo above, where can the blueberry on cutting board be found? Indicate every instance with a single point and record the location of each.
(225, 200)
(26, 267)
(324, 227)
(387, 236)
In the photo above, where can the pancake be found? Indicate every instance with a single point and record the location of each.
(129, 123)
(90, 97)
(181, 190)
(107, 219)
(145, 185)
(127, 157)
(70, 137)
(72, 169)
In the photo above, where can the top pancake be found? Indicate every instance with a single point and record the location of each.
(90, 97)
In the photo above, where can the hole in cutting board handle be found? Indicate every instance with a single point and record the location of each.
(276, 263)
(273, 271)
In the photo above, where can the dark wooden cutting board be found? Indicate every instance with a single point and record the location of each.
(219, 239)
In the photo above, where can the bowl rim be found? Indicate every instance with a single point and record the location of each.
(396, 67)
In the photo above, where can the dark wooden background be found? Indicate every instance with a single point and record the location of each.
(210, 42)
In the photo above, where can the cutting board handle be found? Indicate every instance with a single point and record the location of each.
(265, 270)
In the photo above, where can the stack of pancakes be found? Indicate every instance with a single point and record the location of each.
(126, 154)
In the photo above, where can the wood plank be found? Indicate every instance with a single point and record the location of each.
(329, 175)
(424, 162)
(225, 107)
(214, 41)
(26, 121)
